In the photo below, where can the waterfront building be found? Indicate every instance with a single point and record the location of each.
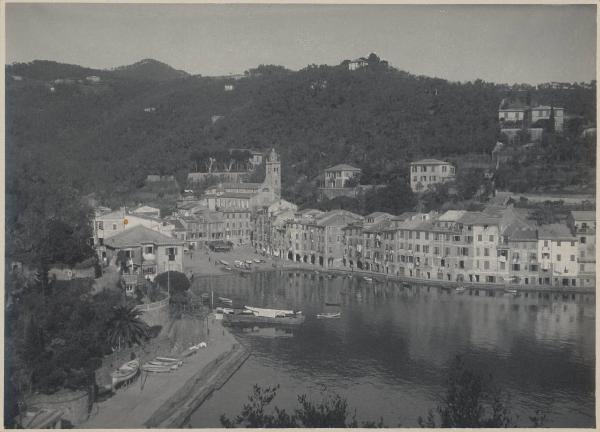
(521, 243)
(583, 226)
(426, 172)
(145, 253)
(557, 248)
(107, 225)
(237, 226)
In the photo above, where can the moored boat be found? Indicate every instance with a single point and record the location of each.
(332, 304)
(125, 373)
(329, 315)
(511, 291)
(460, 289)
(265, 316)
(368, 279)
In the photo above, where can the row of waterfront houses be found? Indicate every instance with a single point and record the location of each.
(494, 246)
(499, 245)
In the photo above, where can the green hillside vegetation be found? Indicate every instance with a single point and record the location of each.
(98, 137)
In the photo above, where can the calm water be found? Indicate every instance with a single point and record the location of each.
(390, 351)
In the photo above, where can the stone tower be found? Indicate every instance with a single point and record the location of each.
(273, 174)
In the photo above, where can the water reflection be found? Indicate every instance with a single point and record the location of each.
(389, 351)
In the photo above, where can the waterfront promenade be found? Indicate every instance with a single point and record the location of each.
(167, 399)
(200, 265)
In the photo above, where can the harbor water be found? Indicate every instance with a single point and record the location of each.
(390, 352)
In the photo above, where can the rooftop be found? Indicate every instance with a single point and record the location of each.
(584, 215)
(430, 161)
(138, 235)
(555, 232)
(342, 167)
(452, 215)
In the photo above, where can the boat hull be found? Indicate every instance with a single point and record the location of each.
(258, 320)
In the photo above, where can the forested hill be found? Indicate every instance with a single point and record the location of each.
(149, 118)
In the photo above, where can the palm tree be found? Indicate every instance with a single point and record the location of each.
(126, 327)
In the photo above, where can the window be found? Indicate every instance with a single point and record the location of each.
(486, 252)
(479, 237)
(572, 243)
(558, 257)
(491, 238)
(572, 257)
(149, 249)
(114, 227)
(558, 243)
(516, 267)
(171, 252)
(101, 225)
(581, 240)
(417, 248)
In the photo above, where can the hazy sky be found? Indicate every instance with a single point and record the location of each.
(496, 43)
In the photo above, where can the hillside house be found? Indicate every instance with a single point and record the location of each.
(358, 63)
(427, 172)
(146, 254)
(337, 176)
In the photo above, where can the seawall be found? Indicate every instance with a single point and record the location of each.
(175, 412)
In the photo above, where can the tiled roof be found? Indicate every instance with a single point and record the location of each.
(452, 215)
(555, 232)
(583, 215)
(343, 167)
(139, 235)
(479, 218)
(430, 161)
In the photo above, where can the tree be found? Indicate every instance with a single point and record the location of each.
(331, 411)
(126, 328)
(177, 284)
(395, 198)
(470, 401)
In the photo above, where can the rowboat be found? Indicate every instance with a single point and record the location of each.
(332, 304)
(125, 373)
(225, 300)
(172, 366)
(147, 367)
(329, 315)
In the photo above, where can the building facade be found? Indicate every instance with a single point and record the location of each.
(427, 172)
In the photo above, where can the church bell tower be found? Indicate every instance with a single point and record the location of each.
(273, 173)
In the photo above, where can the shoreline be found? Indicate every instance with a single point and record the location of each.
(275, 264)
(167, 400)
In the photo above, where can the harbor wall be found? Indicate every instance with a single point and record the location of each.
(175, 412)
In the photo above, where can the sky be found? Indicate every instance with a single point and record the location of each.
(497, 43)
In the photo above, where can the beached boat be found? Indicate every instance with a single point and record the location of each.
(265, 316)
(225, 263)
(225, 300)
(148, 367)
(125, 373)
(329, 315)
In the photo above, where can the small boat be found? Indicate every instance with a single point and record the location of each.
(329, 315)
(225, 263)
(222, 310)
(460, 289)
(368, 279)
(248, 261)
(147, 367)
(511, 291)
(125, 373)
(405, 285)
(225, 300)
(172, 366)
(257, 261)
(332, 304)
(265, 316)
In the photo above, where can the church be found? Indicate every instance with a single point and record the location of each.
(249, 196)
